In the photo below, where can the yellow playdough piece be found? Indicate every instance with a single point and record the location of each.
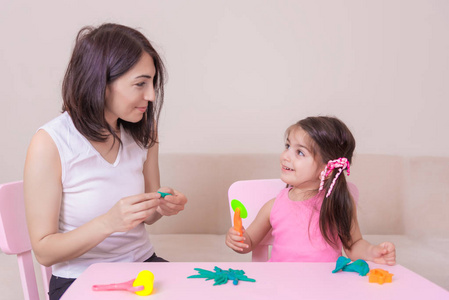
(145, 278)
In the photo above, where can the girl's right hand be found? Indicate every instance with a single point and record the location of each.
(235, 241)
(130, 211)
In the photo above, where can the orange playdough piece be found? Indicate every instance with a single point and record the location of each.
(380, 276)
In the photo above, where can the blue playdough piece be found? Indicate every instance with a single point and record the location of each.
(164, 194)
(359, 266)
(341, 263)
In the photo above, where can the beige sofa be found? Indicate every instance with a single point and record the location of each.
(402, 199)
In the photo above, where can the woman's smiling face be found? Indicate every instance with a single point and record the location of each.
(127, 97)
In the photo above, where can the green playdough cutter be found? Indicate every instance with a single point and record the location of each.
(237, 204)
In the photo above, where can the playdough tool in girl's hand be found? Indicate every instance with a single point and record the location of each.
(239, 213)
(142, 285)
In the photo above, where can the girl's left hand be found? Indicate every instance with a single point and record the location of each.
(384, 253)
(171, 204)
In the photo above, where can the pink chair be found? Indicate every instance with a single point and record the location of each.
(14, 238)
(254, 194)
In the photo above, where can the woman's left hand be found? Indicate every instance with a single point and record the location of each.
(171, 204)
(384, 253)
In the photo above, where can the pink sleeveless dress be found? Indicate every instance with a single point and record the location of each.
(296, 231)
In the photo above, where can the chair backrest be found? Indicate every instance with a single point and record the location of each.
(14, 238)
(253, 194)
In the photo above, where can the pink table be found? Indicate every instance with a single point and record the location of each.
(273, 281)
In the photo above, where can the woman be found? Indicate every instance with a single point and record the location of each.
(91, 176)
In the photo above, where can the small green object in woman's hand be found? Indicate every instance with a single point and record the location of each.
(164, 194)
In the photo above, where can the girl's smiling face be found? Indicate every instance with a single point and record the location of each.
(300, 167)
(127, 97)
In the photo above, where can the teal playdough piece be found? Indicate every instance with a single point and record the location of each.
(341, 263)
(359, 266)
(237, 204)
(164, 194)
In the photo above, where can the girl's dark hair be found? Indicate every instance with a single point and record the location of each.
(100, 56)
(331, 139)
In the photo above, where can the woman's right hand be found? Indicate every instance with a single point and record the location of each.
(130, 211)
(235, 241)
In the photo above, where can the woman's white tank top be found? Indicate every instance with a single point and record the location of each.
(90, 187)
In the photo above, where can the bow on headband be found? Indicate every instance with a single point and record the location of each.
(342, 163)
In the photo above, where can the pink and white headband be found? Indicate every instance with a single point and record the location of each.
(342, 163)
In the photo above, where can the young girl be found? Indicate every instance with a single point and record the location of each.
(91, 177)
(315, 216)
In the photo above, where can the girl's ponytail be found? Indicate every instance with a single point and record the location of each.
(337, 208)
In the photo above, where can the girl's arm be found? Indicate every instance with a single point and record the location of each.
(170, 205)
(255, 232)
(383, 253)
(43, 193)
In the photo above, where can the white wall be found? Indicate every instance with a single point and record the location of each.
(241, 71)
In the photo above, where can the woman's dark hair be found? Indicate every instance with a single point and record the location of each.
(100, 56)
(331, 139)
